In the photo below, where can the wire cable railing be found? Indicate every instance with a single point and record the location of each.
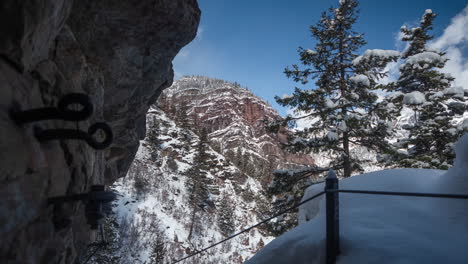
(433, 195)
(250, 228)
(332, 214)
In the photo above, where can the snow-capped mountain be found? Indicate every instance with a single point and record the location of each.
(234, 118)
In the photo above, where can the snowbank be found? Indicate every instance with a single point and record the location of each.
(385, 229)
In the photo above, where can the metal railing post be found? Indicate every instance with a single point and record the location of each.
(332, 211)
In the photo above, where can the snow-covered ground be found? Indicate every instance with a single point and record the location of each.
(162, 205)
(385, 229)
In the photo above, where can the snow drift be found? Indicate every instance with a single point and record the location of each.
(385, 229)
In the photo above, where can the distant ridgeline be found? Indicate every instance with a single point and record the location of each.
(198, 81)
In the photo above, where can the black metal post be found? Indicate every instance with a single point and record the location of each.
(333, 227)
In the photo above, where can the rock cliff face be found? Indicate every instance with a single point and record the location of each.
(117, 52)
(234, 118)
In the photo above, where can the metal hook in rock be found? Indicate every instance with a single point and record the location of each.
(63, 133)
(62, 111)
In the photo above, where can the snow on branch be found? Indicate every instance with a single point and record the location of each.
(360, 79)
(414, 98)
(456, 92)
(424, 60)
(372, 54)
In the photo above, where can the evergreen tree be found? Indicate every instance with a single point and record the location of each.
(226, 217)
(158, 249)
(239, 158)
(428, 92)
(285, 190)
(260, 244)
(153, 138)
(197, 181)
(185, 123)
(110, 253)
(343, 104)
(182, 116)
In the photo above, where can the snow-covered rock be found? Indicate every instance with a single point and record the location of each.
(385, 229)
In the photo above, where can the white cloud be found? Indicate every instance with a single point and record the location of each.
(452, 41)
(200, 31)
(456, 33)
(457, 67)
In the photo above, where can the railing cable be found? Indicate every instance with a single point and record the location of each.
(250, 228)
(434, 195)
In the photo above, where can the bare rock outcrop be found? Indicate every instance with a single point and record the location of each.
(117, 52)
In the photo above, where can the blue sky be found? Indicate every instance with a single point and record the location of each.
(252, 41)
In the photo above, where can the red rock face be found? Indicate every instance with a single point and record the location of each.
(234, 119)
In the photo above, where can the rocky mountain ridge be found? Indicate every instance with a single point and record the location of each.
(235, 121)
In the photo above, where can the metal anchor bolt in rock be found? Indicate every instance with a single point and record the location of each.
(62, 133)
(62, 111)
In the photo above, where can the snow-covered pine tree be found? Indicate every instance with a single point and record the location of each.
(110, 253)
(182, 116)
(428, 92)
(153, 138)
(197, 181)
(343, 105)
(226, 216)
(158, 248)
